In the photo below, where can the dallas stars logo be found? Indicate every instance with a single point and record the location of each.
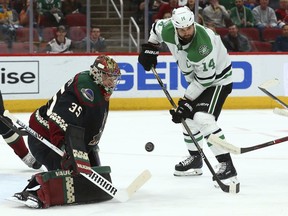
(203, 50)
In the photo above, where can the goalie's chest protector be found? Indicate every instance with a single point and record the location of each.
(95, 107)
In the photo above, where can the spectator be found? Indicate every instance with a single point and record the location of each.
(9, 21)
(71, 6)
(50, 13)
(25, 13)
(281, 41)
(211, 26)
(264, 15)
(241, 16)
(228, 4)
(203, 3)
(236, 42)
(282, 13)
(97, 43)
(191, 5)
(17, 5)
(164, 8)
(216, 14)
(167, 15)
(182, 3)
(152, 7)
(60, 44)
(251, 4)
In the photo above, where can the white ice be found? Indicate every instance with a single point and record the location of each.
(263, 173)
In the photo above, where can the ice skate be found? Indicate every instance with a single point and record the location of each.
(191, 166)
(31, 162)
(28, 198)
(226, 173)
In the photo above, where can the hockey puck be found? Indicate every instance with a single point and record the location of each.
(149, 146)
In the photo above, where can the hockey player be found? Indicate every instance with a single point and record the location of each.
(206, 66)
(83, 101)
(16, 142)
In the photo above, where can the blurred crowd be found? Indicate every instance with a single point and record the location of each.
(59, 26)
(244, 25)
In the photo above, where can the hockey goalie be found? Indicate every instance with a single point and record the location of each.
(73, 120)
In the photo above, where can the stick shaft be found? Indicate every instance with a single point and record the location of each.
(241, 150)
(263, 145)
(274, 97)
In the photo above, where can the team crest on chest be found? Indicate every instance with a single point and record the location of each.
(203, 50)
(88, 94)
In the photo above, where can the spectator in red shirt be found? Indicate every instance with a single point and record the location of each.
(282, 13)
(165, 8)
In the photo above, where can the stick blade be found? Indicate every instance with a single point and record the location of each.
(138, 182)
(269, 83)
(282, 112)
(215, 140)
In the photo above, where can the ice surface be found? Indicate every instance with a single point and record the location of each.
(263, 173)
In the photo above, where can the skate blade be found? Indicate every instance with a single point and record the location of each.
(194, 172)
(29, 203)
(233, 182)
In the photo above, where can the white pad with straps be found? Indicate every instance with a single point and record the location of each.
(207, 125)
(196, 133)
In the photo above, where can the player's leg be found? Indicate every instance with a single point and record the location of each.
(206, 119)
(192, 165)
(16, 142)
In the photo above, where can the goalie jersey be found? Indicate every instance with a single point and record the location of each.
(79, 102)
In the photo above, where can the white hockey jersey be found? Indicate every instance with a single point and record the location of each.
(204, 61)
(55, 46)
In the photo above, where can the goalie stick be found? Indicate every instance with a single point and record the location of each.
(241, 150)
(94, 177)
(233, 188)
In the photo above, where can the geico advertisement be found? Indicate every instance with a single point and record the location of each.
(40, 77)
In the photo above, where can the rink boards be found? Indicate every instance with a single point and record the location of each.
(27, 82)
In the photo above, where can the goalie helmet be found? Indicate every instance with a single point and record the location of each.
(182, 17)
(106, 73)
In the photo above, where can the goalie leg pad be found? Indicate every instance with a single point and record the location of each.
(61, 188)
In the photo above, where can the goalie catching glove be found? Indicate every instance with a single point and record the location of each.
(183, 110)
(148, 56)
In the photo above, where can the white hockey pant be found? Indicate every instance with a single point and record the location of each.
(202, 126)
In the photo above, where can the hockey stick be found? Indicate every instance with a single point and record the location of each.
(273, 97)
(233, 188)
(12, 127)
(94, 177)
(263, 87)
(240, 150)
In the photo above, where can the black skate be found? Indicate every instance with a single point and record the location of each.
(227, 173)
(28, 198)
(191, 166)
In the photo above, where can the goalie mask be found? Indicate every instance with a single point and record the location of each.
(106, 73)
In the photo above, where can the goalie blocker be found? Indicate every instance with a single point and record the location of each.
(61, 187)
